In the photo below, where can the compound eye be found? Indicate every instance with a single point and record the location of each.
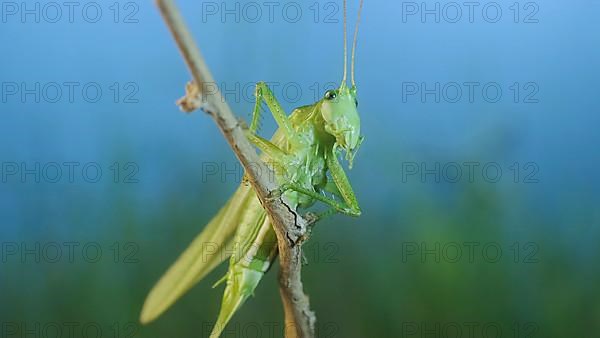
(356, 102)
(330, 95)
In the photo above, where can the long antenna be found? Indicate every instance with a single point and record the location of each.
(355, 38)
(345, 46)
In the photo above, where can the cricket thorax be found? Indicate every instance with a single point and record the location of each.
(307, 167)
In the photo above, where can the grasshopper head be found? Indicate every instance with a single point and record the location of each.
(339, 109)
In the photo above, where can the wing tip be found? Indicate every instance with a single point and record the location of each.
(156, 303)
(149, 312)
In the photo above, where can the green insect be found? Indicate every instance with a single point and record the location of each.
(303, 151)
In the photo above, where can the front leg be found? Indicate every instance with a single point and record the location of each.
(272, 150)
(331, 188)
(264, 94)
(342, 183)
(339, 206)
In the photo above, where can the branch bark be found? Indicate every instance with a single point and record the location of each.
(290, 227)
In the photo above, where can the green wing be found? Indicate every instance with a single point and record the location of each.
(209, 249)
